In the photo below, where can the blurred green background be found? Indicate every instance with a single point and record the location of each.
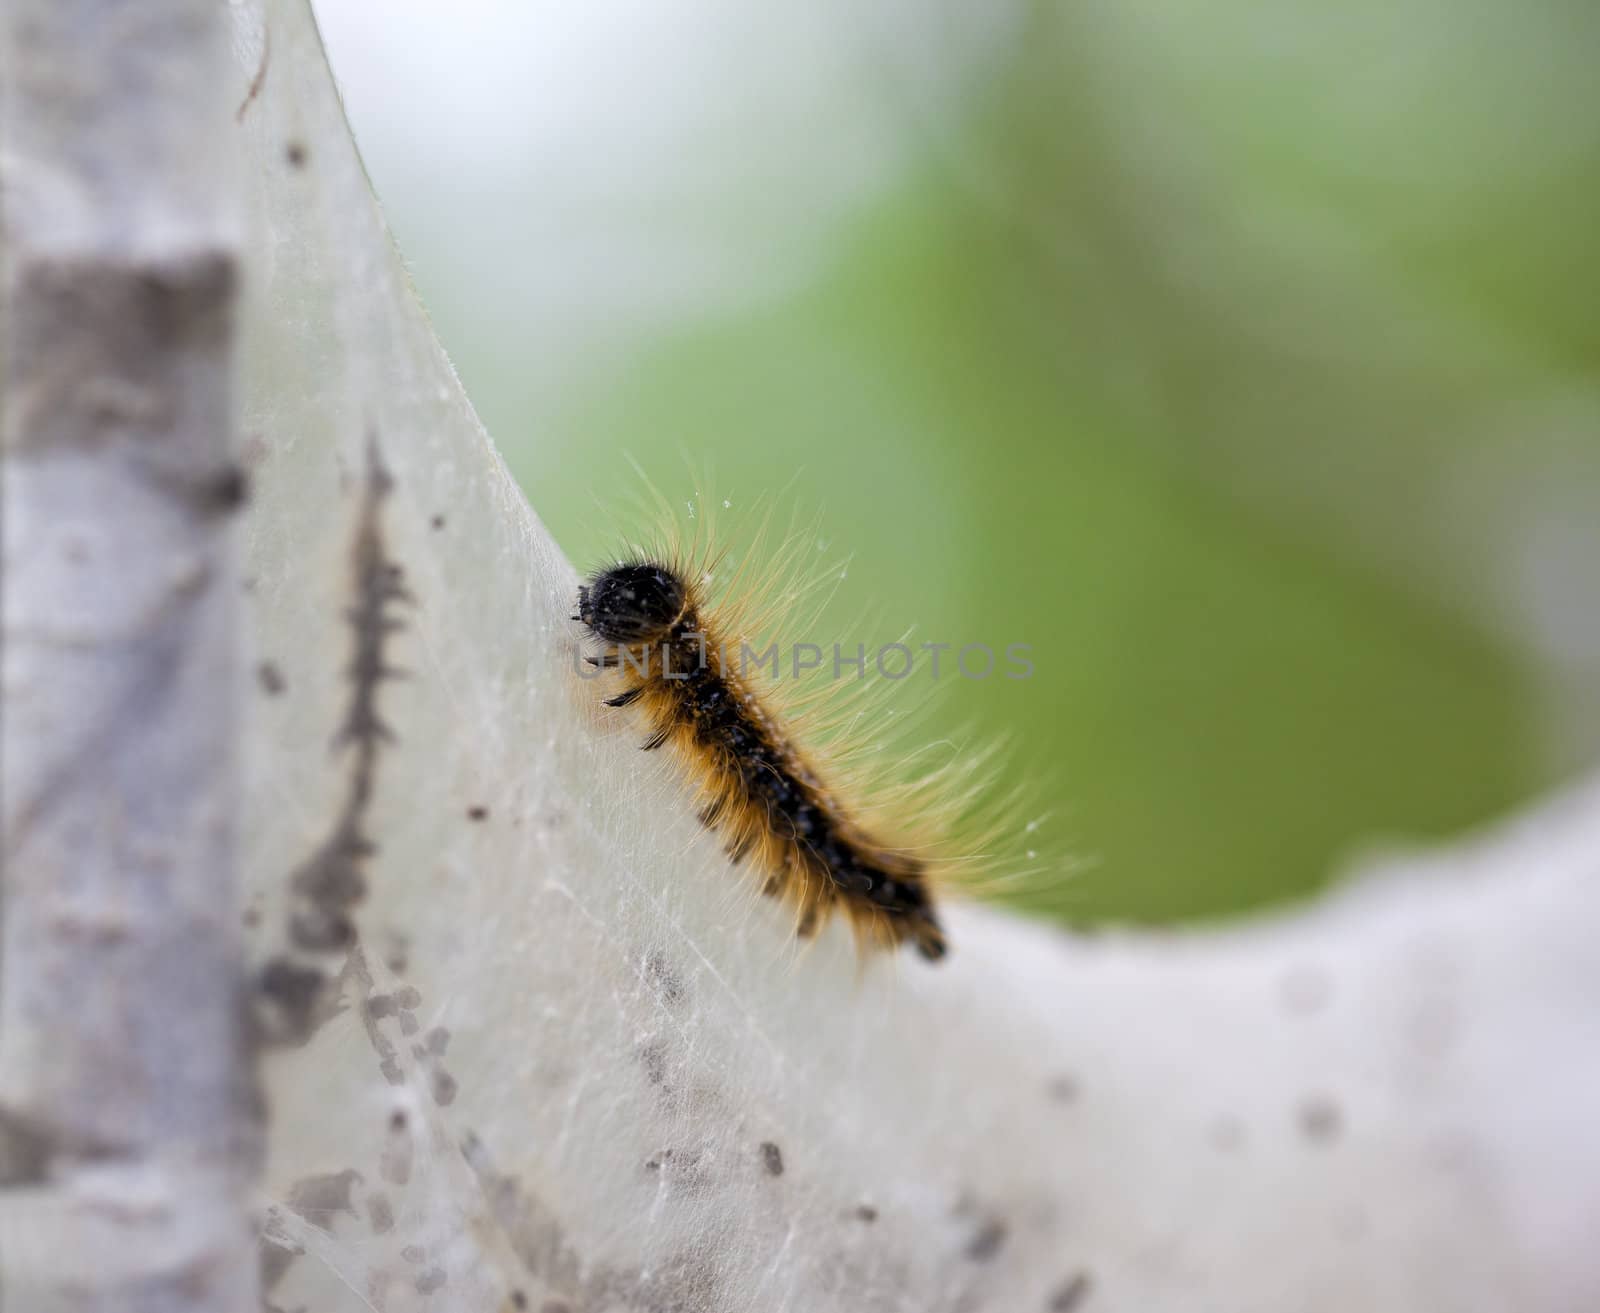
(1244, 361)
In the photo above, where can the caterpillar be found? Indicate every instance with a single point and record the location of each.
(770, 798)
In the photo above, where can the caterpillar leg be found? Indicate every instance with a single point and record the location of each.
(926, 935)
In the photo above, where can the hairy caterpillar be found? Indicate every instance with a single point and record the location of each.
(823, 840)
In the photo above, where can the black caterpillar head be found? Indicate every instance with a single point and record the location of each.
(634, 603)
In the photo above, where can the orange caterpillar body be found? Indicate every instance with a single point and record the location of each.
(763, 794)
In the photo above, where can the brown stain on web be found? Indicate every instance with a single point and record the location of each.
(331, 882)
(380, 1213)
(988, 1238)
(378, 1007)
(665, 981)
(260, 78)
(270, 676)
(318, 1199)
(398, 1154)
(442, 1086)
(325, 889)
(275, 1258)
(690, 1279)
(1072, 1294)
(1320, 1119)
(1064, 1089)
